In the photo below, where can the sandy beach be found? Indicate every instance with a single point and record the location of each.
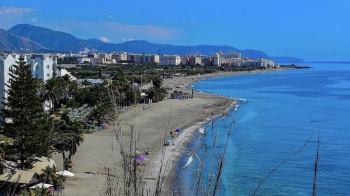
(151, 122)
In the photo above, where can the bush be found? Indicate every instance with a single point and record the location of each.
(72, 103)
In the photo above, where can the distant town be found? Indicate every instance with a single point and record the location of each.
(47, 65)
(217, 59)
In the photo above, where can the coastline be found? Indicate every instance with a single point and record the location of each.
(185, 138)
(172, 174)
(98, 151)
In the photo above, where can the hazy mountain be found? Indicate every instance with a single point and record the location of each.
(60, 41)
(10, 42)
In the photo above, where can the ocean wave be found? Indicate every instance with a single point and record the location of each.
(201, 131)
(240, 99)
(189, 161)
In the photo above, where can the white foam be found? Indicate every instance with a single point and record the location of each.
(189, 161)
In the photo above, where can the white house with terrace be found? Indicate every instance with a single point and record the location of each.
(41, 68)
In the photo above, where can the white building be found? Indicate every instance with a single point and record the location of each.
(170, 60)
(83, 60)
(220, 58)
(62, 72)
(258, 63)
(216, 59)
(150, 58)
(123, 56)
(195, 60)
(41, 68)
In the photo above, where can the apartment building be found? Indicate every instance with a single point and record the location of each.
(220, 58)
(258, 62)
(41, 68)
(170, 60)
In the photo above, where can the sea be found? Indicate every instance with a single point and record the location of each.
(283, 121)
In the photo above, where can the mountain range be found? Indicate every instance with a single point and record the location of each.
(29, 38)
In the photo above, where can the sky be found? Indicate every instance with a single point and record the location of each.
(315, 30)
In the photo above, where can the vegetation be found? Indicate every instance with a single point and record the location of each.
(33, 134)
(23, 112)
(157, 92)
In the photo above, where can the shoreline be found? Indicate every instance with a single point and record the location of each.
(185, 138)
(172, 174)
(99, 152)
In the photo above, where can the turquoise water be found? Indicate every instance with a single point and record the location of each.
(281, 112)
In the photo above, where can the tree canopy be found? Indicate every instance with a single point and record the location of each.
(23, 112)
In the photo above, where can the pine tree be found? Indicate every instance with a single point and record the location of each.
(23, 113)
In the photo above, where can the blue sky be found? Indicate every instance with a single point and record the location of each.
(309, 29)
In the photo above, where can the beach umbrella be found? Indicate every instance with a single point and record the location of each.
(41, 185)
(65, 173)
(140, 158)
(177, 130)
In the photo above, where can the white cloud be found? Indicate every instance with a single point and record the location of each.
(130, 39)
(35, 20)
(15, 11)
(123, 39)
(104, 39)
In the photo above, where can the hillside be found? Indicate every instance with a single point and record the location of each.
(10, 42)
(52, 40)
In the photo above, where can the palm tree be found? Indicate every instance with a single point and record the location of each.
(64, 137)
(73, 88)
(66, 81)
(53, 91)
(76, 140)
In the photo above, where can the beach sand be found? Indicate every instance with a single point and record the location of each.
(98, 153)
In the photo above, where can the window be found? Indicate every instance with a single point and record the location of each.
(48, 66)
(10, 68)
(48, 75)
